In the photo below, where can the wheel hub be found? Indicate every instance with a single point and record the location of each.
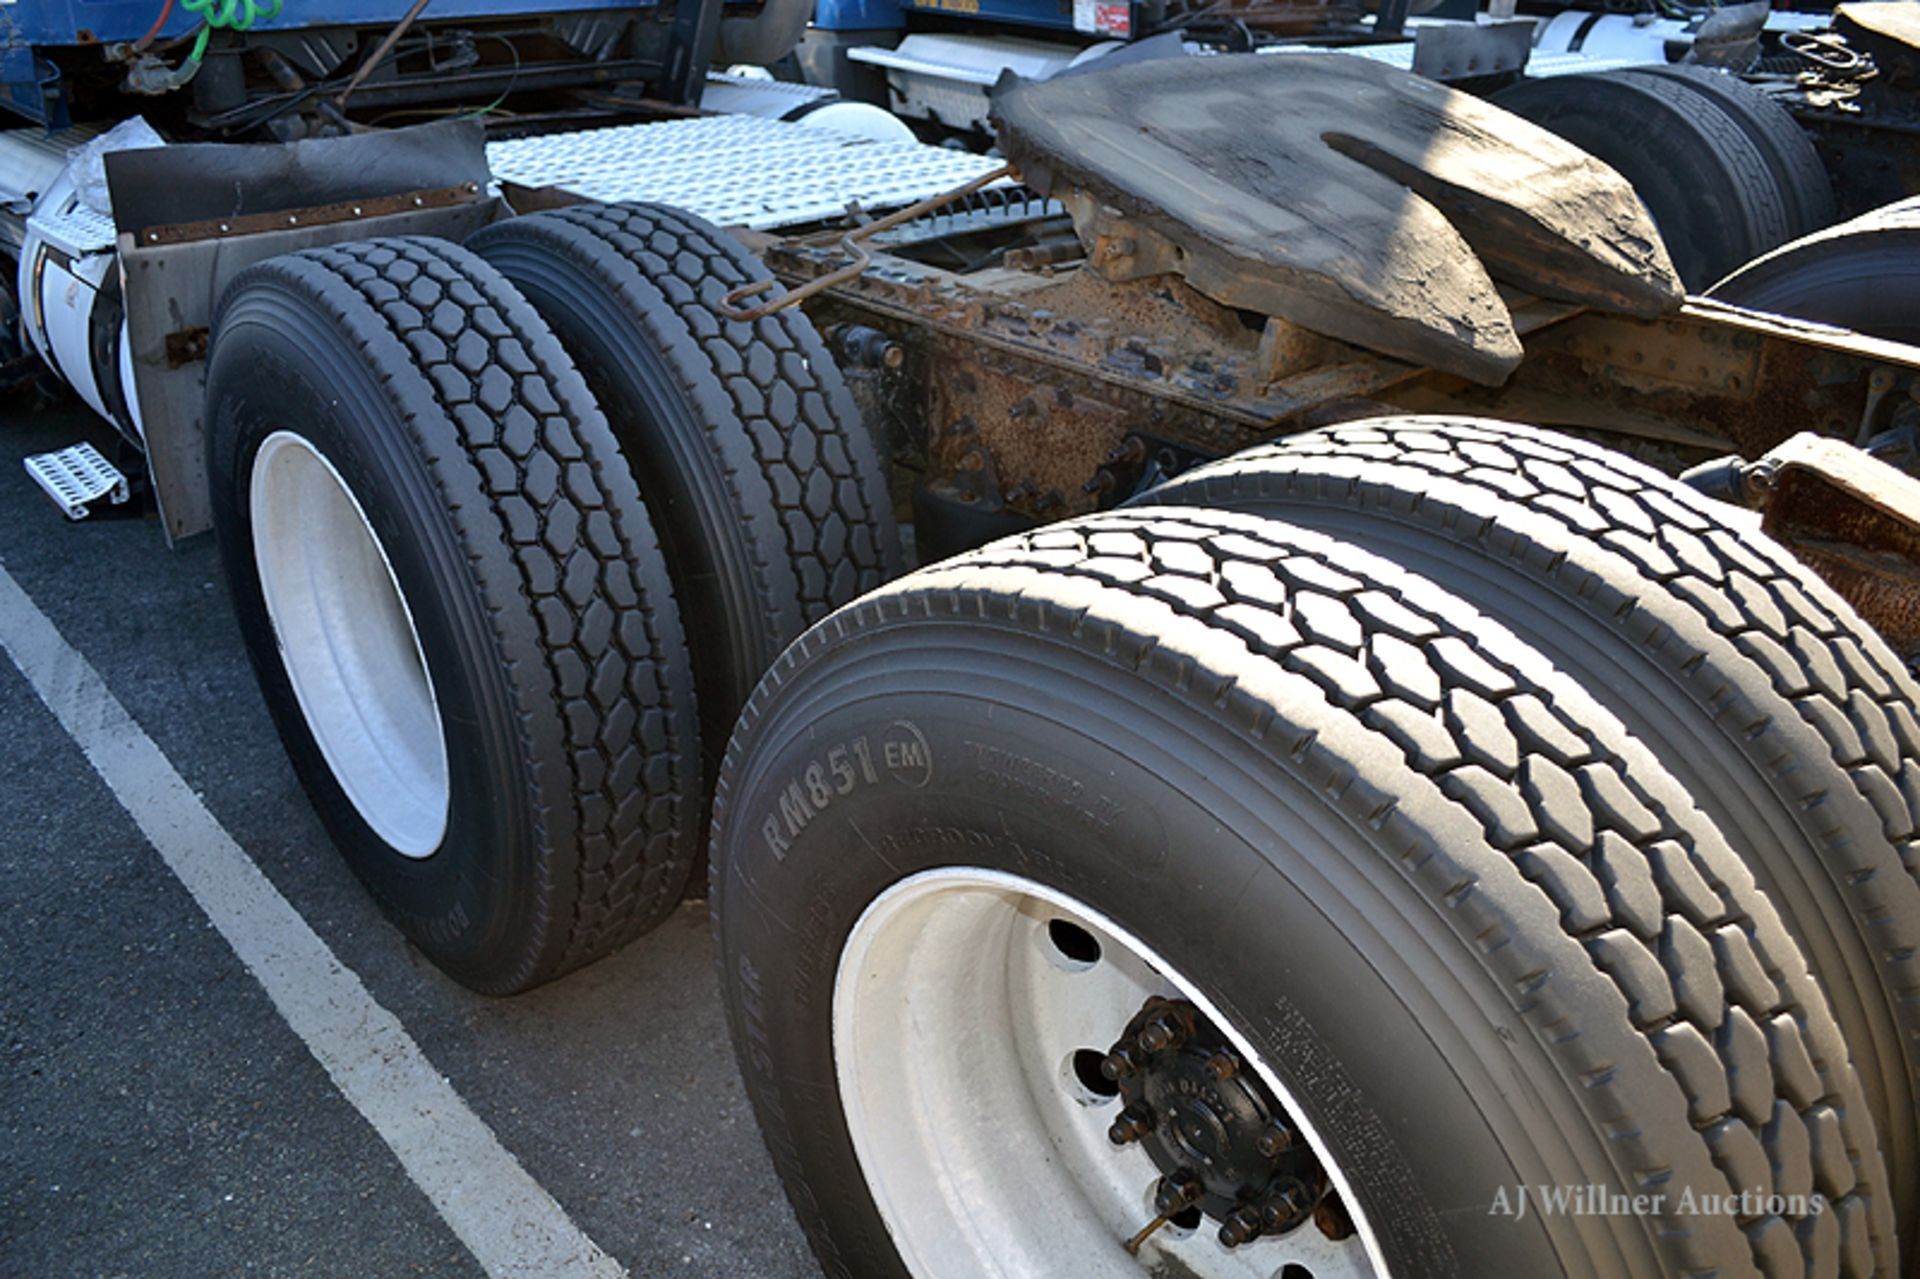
(1223, 1145)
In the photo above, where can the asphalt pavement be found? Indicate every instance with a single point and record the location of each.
(159, 1115)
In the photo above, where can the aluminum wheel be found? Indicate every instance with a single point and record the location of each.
(349, 644)
(973, 1011)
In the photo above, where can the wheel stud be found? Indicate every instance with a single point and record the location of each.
(1284, 1210)
(1122, 1061)
(1275, 1141)
(1241, 1226)
(1162, 1033)
(1179, 1189)
(1135, 1122)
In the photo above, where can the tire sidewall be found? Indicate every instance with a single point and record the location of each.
(1174, 845)
(268, 374)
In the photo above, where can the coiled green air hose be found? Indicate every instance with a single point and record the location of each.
(231, 15)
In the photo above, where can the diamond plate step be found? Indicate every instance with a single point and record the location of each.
(735, 169)
(77, 476)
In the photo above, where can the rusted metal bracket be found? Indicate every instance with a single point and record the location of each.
(187, 346)
(1855, 521)
(850, 244)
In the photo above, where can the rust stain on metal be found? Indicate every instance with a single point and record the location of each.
(186, 346)
(1655, 356)
(1053, 376)
(315, 215)
(1707, 378)
(1043, 439)
(1855, 521)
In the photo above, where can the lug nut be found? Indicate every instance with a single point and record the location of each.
(1135, 1122)
(1163, 1032)
(1179, 1189)
(1241, 1226)
(1275, 1141)
(1284, 1210)
(1121, 1062)
(1223, 1066)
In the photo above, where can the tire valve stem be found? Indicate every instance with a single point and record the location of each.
(1179, 1189)
(1133, 1244)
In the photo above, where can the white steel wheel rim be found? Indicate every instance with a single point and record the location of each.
(349, 645)
(955, 1020)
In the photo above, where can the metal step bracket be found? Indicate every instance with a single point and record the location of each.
(77, 476)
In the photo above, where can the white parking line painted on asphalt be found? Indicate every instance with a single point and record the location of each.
(512, 1226)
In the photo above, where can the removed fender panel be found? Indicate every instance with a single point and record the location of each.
(455, 605)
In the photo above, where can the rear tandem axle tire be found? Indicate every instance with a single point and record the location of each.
(1785, 717)
(770, 498)
(455, 605)
(1789, 152)
(1197, 737)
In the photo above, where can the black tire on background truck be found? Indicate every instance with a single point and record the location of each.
(769, 495)
(1784, 716)
(1712, 192)
(455, 605)
(1862, 275)
(1790, 154)
(761, 37)
(972, 823)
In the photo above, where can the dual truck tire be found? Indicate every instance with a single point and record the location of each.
(1500, 815)
(508, 560)
(1442, 761)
